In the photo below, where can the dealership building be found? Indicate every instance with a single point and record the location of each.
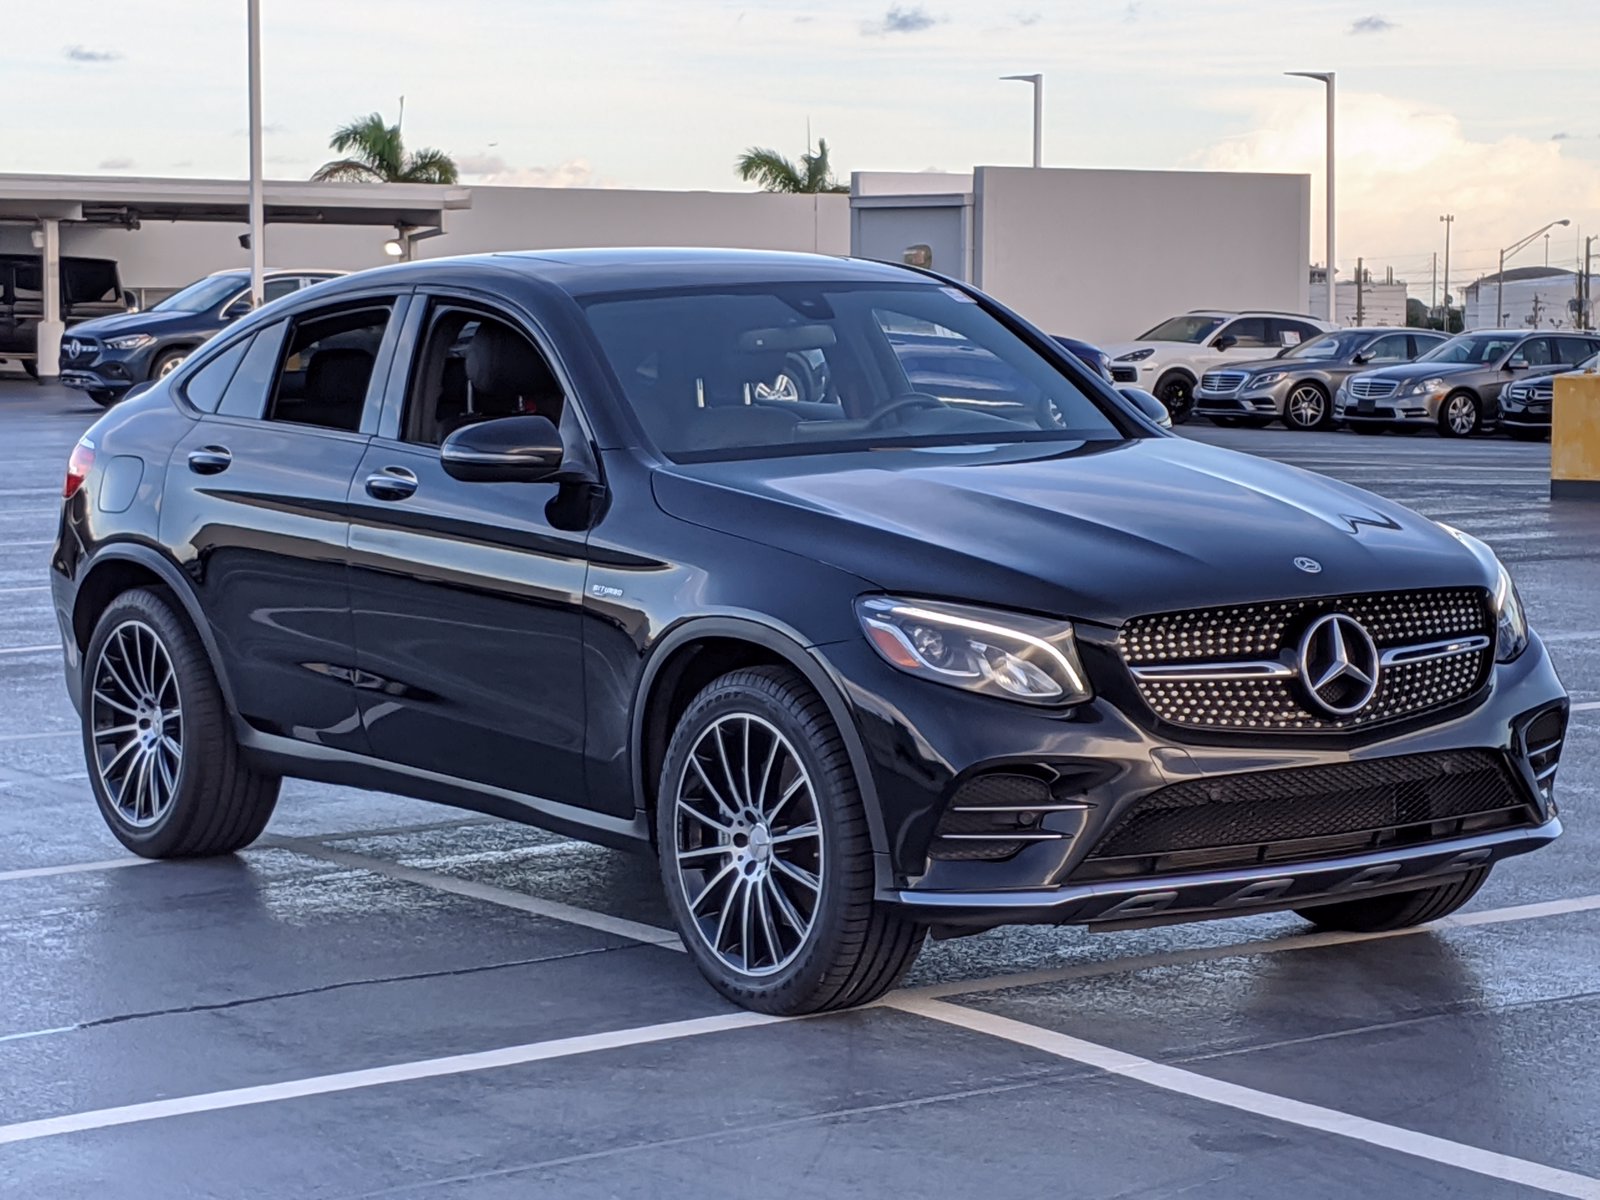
(1097, 254)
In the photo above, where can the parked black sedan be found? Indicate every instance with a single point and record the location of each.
(108, 356)
(515, 533)
(1525, 405)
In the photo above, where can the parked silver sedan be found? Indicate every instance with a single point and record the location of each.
(1298, 385)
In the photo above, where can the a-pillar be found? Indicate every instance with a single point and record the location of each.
(51, 327)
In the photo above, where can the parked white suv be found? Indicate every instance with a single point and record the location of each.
(1169, 359)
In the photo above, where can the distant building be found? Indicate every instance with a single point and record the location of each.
(1530, 298)
(1375, 302)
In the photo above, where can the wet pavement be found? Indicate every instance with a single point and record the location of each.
(385, 997)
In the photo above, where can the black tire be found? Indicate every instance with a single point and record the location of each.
(216, 802)
(31, 368)
(1401, 910)
(1175, 389)
(1307, 406)
(104, 398)
(1367, 428)
(166, 363)
(1461, 415)
(1522, 434)
(854, 948)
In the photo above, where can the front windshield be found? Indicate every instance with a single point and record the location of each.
(743, 371)
(201, 296)
(1471, 348)
(1183, 329)
(1329, 346)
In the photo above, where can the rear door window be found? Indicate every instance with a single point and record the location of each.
(1249, 333)
(1388, 349)
(1538, 352)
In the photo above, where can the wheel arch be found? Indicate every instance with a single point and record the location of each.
(697, 651)
(123, 566)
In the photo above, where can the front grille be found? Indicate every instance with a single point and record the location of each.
(1223, 382)
(1124, 374)
(1266, 637)
(1372, 389)
(1310, 812)
(79, 351)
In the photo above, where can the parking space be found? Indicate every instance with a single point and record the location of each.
(388, 998)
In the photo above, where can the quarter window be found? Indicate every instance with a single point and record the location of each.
(205, 387)
(247, 390)
(1572, 351)
(327, 368)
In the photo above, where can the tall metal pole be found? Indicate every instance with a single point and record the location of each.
(1500, 292)
(1449, 220)
(258, 250)
(1327, 78)
(1038, 113)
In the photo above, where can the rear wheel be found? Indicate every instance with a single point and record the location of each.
(1459, 416)
(163, 763)
(102, 397)
(765, 852)
(1398, 911)
(31, 367)
(1307, 407)
(1175, 389)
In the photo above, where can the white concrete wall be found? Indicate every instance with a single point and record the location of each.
(1380, 303)
(1104, 255)
(166, 255)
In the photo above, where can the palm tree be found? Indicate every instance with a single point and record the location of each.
(375, 154)
(775, 173)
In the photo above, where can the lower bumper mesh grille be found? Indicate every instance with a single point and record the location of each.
(1309, 812)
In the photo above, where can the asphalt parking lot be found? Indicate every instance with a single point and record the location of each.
(388, 998)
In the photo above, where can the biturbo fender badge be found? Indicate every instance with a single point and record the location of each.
(1339, 664)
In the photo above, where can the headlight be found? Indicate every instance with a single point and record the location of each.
(1265, 379)
(1427, 385)
(1000, 654)
(1511, 622)
(1136, 355)
(132, 341)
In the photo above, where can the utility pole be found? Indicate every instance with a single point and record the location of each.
(1585, 314)
(1433, 299)
(258, 250)
(1547, 249)
(1361, 281)
(1449, 220)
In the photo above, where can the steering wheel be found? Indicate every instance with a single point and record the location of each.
(907, 402)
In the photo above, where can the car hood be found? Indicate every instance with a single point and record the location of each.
(154, 323)
(1120, 348)
(1253, 365)
(1094, 532)
(1429, 370)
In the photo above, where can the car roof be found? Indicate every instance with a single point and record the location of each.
(330, 272)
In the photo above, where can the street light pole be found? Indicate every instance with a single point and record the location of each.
(1448, 219)
(1500, 279)
(258, 250)
(1038, 113)
(1327, 77)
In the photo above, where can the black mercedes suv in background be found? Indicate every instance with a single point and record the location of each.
(523, 534)
(107, 357)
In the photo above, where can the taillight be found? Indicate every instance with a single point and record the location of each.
(78, 468)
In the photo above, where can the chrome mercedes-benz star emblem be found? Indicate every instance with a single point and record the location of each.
(74, 348)
(1339, 664)
(1309, 565)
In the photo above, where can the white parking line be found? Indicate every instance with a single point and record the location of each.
(1263, 1104)
(1304, 941)
(1586, 706)
(12, 591)
(637, 931)
(1577, 635)
(55, 646)
(110, 864)
(345, 1081)
(30, 737)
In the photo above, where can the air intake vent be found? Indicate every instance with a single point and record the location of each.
(993, 816)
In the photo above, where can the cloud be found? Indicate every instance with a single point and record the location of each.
(1372, 24)
(900, 20)
(83, 54)
(115, 164)
(492, 170)
(1396, 161)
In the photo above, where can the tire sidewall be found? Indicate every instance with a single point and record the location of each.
(1180, 408)
(1449, 430)
(832, 794)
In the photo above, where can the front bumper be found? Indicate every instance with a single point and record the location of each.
(1245, 402)
(1525, 416)
(925, 743)
(103, 377)
(1399, 409)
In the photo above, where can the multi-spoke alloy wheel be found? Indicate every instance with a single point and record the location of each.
(166, 770)
(1307, 407)
(766, 852)
(749, 846)
(136, 714)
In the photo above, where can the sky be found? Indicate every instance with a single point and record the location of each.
(1473, 107)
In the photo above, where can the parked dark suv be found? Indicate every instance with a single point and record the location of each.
(516, 533)
(107, 357)
(1525, 404)
(90, 288)
(1456, 387)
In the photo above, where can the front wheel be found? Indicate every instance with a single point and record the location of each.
(1307, 407)
(1459, 416)
(1377, 914)
(1175, 389)
(766, 855)
(163, 763)
(102, 397)
(168, 363)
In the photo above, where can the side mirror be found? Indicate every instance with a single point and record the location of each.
(522, 449)
(1361, 360)
(1148, 405)
(237, 309)
(129, 300)
(1226, 342)
(1517, 364)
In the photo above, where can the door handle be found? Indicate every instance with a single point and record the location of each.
(391, 483)
(209, 460)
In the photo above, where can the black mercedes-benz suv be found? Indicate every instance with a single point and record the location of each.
(521, 533)
(109, 356)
